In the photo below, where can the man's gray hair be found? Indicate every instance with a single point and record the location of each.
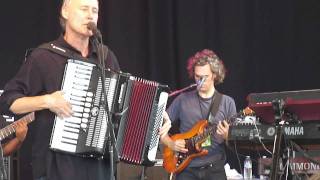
(61, 18)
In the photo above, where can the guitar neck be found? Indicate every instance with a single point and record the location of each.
(10, 129)
(211, 129)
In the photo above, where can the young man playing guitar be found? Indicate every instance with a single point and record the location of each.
(191, 107)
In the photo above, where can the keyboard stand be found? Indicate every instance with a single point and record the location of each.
(278, 107)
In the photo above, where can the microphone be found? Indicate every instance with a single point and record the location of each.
(93, 27)
(201, 81)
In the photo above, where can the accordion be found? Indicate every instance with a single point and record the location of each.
(139, 103)
(138, 137)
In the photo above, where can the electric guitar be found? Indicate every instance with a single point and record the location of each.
(10, 129)
(175, 162)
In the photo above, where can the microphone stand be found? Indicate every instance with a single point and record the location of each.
(176, 92)
(110, 129)
(198, 85)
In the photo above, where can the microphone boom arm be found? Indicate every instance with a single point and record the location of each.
(173, 93)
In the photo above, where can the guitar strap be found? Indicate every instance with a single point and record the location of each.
(214, 107)
(215, 103)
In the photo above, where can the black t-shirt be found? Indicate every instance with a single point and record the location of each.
(42, 73)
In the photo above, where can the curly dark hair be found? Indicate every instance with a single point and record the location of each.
(204, 57)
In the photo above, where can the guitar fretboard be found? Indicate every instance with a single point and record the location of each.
(211, 129)
(10, 129)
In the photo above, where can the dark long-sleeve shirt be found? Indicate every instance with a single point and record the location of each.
(42, 73)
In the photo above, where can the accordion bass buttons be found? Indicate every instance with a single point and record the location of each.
(83, 126)
(86, 115)
(89, 99)
(84, 120)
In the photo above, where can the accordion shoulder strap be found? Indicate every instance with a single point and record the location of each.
(61, 51)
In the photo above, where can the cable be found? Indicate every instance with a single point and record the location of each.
(259, 138)
(237, 154)
(288, 163)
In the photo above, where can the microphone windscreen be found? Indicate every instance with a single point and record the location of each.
(92, 26)
(200, 82)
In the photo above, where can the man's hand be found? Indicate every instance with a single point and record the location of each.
(163, 131)
(58, 104)
(223, 129)
(21, 130)
(178, 145)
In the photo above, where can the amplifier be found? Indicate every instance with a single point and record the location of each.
(135, 172)
(298, 164)
(8, 167)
